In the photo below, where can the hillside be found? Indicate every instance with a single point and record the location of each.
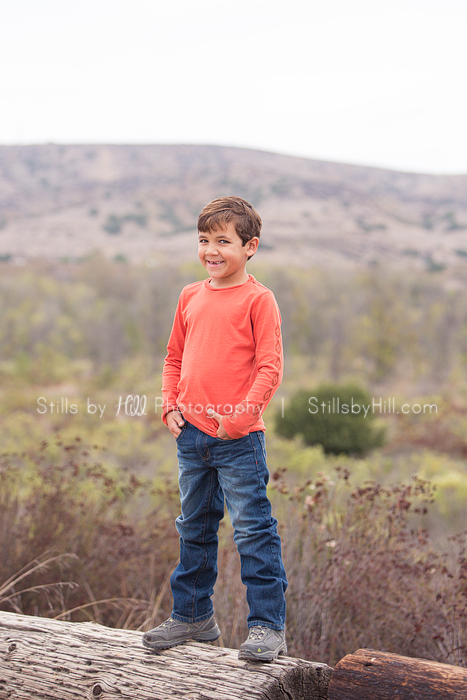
(140, 202)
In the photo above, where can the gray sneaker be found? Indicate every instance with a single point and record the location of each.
(263, 644)
(173, 632)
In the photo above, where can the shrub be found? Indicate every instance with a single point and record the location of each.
(337, 417)
(80, 534)
(363, 572)
(81, 542)
(113, 224)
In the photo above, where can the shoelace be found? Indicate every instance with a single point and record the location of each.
(257, 633)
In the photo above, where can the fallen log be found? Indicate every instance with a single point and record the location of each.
(42, 658)
(376, 675)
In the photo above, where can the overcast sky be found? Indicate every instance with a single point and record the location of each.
(356, 81)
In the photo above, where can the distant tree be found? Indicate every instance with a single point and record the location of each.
(113, 224)
(340, 418)
(140, 219)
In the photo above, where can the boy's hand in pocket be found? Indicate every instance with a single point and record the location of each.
(175, 422)
(221, 431)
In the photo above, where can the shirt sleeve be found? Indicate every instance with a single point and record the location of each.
(173, 363)
(266, 324)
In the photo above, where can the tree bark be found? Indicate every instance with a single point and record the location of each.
(42, 658)
(376, 675)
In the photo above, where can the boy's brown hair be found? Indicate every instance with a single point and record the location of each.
(223, 210)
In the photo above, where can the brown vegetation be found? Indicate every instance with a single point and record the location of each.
(82, 543)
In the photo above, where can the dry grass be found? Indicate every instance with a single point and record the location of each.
(77, 544)
(66, 519)
(362, 573)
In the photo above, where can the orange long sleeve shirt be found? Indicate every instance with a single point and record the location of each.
(225, 353)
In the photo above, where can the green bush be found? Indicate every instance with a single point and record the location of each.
(113, 224)
(337, 417)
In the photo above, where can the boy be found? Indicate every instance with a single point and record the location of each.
(223, 364)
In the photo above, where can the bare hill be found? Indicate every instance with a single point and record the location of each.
(142, 201)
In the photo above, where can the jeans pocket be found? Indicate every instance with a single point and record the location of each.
(262, 442)
(181, 433)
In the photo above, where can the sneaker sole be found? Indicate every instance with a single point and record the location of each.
(208, 636)
(247, 655)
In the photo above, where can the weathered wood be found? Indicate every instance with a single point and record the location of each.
(376, 675)
(42, 658)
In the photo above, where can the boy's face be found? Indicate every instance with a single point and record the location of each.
(224, 256)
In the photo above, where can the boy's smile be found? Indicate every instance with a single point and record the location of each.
(224, 256)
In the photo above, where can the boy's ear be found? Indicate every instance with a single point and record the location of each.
(252, 246)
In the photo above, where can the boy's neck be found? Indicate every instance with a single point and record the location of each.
(225, 283)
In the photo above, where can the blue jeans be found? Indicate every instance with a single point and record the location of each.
(209, 470)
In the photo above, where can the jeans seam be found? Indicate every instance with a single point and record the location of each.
(204, 549)
(272, 545)
(258, 492)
